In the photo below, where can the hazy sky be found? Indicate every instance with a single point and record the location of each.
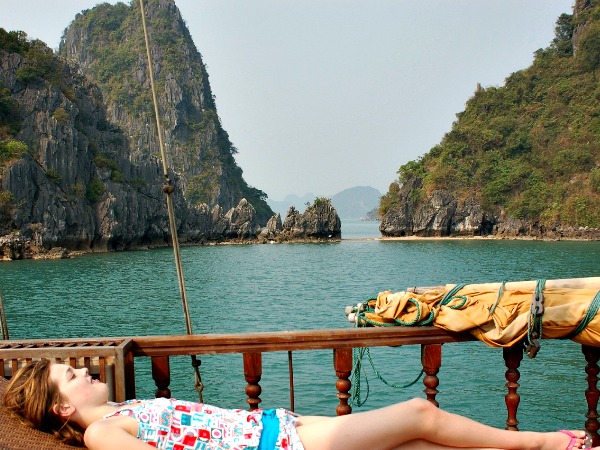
(322, 95)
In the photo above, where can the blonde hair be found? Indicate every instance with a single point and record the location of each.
(32, 397)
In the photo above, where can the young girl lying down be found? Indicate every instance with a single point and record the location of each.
(68, 403)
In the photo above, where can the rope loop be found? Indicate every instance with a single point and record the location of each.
(357, 357)
(362, 309)
(416, 319)
(451, 294)
(460, 305)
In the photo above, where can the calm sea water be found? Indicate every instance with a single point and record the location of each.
(242, 288)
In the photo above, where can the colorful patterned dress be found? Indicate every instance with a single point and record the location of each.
(171, 424)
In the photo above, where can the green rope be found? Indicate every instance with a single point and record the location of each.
(589, 315)
(357, 357)
(460, 305)
(362, 320)
(428, 321)
(416, 320)
(451, 294)
(500, 292)
(356, 383)
(358, 370)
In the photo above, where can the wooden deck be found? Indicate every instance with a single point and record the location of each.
(113, 359)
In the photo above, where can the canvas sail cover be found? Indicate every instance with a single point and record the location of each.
(499, 314)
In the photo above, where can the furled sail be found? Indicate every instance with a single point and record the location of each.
(499, 314)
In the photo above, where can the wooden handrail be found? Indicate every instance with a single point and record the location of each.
(292, 340)
(251, 345)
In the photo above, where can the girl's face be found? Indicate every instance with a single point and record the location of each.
(76, 386)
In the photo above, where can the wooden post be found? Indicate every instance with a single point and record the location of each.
(431, 359)
(129, 366)
(592, 355)
(161, 374)
(252, 374)
(342, 363)
(512, 359)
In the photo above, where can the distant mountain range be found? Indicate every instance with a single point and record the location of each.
(351, 204)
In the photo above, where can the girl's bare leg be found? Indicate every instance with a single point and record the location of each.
(407, 425)
(426, 445)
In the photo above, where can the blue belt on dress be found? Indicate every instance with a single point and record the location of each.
(270, 431)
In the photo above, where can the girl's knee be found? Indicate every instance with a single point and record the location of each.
(422, 411)
(420, 406)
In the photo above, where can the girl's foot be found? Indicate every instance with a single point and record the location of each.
(566, 440)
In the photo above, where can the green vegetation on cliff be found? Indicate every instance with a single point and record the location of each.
(10, 123)
(10, 117)
(108, 42)
(532, 146)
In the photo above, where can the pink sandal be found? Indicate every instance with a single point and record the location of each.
(587, 442)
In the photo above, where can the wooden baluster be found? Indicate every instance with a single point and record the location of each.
(102, 368)
(431, 359)
(592, 355)
(128, 362)
(342, 363)
(512, 359)
(161, 374)
(291, 373)
(252, 374)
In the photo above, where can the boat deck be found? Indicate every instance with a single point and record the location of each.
(113, 360)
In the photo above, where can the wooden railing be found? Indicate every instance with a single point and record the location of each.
(341, 341)
(119, 355)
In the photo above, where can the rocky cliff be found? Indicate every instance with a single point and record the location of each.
(443, 213)
(522, 160)
(107, 43)
(79, 164)
(319, 222)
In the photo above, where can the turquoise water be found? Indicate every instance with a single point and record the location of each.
(243, 288)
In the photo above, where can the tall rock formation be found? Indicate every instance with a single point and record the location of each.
(107, 42)
(79, 158)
